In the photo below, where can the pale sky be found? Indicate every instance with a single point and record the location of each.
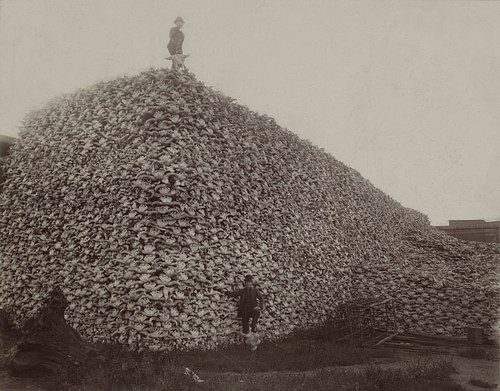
(405, 92)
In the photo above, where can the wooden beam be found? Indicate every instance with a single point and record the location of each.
(387, 338)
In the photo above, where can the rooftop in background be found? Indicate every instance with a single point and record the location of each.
(474, 230)
(5, 144)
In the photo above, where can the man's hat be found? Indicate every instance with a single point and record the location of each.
(248, 278)
(179, 19)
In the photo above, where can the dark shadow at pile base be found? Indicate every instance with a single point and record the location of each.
(46, 348)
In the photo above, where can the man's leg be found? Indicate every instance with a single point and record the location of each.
(174, 64)
(171, 56)
(255, 318)
(245, 321)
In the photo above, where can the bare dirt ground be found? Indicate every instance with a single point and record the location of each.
(8, 383)
(467, 368)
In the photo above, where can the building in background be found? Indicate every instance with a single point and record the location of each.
(474, 230)
(5, 144)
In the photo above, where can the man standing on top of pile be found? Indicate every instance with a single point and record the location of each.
(175, 44)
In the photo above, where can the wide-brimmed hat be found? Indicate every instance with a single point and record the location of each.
(179, 19)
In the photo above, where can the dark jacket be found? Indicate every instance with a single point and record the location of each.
(250, 300)
(176, 40)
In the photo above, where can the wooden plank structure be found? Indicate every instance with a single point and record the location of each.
(366, 322)
(373, 322)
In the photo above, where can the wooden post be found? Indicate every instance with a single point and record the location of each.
(372, 324)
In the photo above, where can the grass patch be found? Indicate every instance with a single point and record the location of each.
(478, 353)
(481, 383)
(285, 355)
(115, 368)
(415, 377)
(288, 355)
(418, 376)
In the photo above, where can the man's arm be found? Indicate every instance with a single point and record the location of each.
(172, 33)
(262, 304)
(235, 293)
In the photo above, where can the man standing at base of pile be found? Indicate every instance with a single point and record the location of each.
(176, 40)
(247, 305)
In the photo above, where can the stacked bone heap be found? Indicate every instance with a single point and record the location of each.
(146, 197)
